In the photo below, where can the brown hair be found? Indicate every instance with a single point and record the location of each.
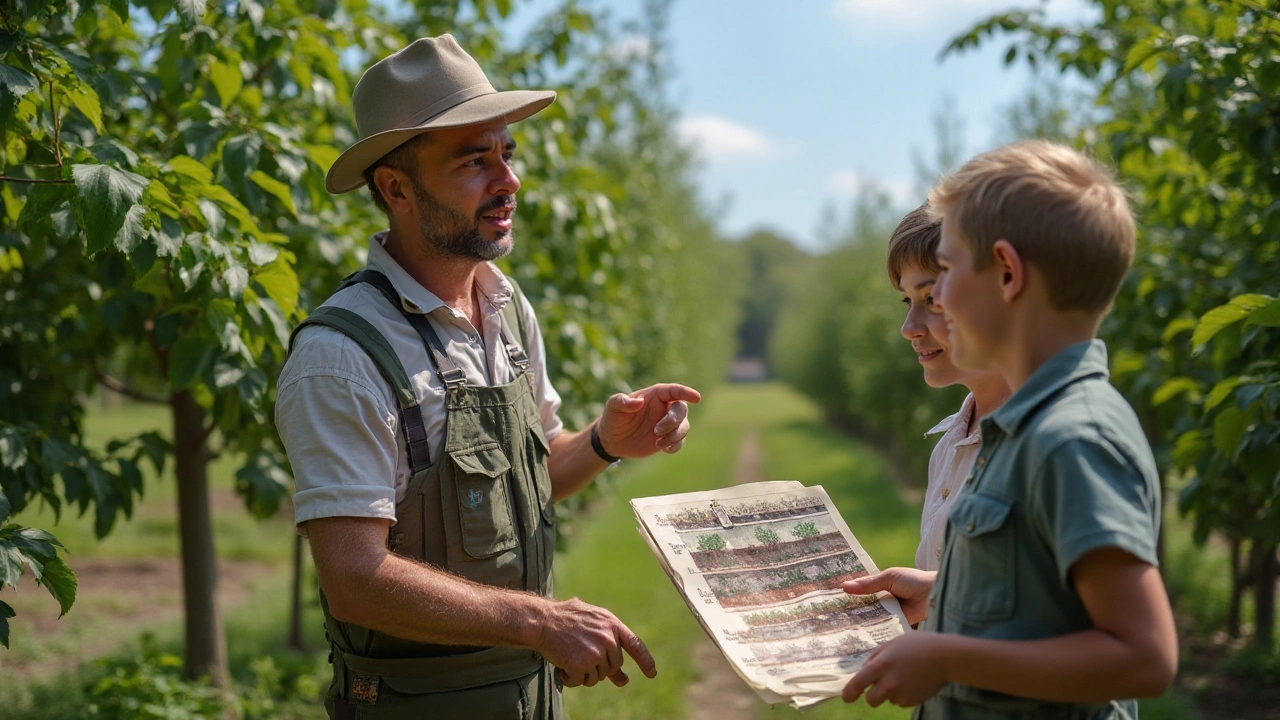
(1063, 212)
(914, 243)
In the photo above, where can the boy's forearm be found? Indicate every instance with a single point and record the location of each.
(1084, 667)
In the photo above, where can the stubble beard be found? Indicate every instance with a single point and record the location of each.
(453, 234)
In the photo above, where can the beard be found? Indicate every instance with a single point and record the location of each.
(454, 234)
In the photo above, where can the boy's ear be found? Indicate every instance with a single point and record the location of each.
(1012, 269)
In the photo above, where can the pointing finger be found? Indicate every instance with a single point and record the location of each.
(638, 652)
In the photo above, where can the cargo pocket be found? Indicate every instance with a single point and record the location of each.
(982, 579)
(484, 505)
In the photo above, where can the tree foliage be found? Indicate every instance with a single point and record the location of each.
(165, 224)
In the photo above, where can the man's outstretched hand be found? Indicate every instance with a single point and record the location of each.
(646, 421)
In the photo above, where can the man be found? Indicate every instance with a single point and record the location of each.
(423, 431)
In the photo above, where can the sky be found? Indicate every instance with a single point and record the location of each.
(792, 105)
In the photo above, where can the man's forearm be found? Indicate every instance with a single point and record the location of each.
(1083, 667)
(410, 600)
(573, 463)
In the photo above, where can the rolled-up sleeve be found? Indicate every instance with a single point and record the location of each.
(339, 430)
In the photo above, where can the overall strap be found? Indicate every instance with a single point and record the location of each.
(377, 347)
(513, 317)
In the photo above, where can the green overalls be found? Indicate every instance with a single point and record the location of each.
(482, 511)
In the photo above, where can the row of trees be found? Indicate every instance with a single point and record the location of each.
(1186, 98)
(165, 225)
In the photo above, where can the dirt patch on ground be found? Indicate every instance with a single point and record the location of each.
(718, 692)
(1218, 692)
(116, 600)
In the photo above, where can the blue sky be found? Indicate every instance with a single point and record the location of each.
(791, 105)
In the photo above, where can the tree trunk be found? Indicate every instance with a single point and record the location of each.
(1237, 590)
(295, 613)
(206, 641)
(1264, 594)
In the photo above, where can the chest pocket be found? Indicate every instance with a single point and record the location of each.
(484, 500)
(982, 573)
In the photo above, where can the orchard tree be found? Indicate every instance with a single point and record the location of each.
(165, 225)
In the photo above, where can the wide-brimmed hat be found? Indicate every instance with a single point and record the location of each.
(429, 85)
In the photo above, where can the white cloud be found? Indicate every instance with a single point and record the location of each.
(631, 47)
(920, 14)
(717, 138)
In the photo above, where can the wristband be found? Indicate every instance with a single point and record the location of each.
(599, 447)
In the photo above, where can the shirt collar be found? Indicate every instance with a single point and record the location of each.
(1071, 365)
(417, 299)
(951, 421)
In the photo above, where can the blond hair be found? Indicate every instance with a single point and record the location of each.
(914, 243)
(1063, 212)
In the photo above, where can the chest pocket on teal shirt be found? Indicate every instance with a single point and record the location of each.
(982, 578)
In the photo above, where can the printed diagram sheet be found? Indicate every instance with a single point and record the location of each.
(760, 565)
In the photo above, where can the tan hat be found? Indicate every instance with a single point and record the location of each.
(429, 85)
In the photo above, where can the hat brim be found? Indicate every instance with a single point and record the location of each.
(347, 172)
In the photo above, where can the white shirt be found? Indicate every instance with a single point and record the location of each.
(949, 465)
(337, 415)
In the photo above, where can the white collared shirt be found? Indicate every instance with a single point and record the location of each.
(949, 465)
(337, 415)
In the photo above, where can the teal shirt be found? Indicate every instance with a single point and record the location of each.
(1064, 469)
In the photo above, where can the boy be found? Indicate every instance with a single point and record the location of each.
(1047, 603)
(913, 270)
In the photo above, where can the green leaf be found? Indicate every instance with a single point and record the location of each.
(60, 582)
(133, 231)
(121, 8)
(5, 508)
(1141, 52)
(6, 612)
(239, 158)
(10, 563)
(1175, 387)
(13, 448)
(1239, 308)
(276, 188)
(85, 99)
(1267, 316)
(103, 200)
(187, 359)
(16, 81)
(237, 279)
(1222, 391)
(227, 80)
(191, 11)
(261, 253)
(1229, 429)
(192, 168)
(280, 283)
(1176, 328)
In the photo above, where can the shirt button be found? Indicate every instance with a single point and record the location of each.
(937, 552)
(981, 461)
(968, 528)
(945, 493)
(932, 602)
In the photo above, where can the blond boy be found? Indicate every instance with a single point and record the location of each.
(1048, 603)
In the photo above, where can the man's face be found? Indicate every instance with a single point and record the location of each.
(976, 317)
(465, 191)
